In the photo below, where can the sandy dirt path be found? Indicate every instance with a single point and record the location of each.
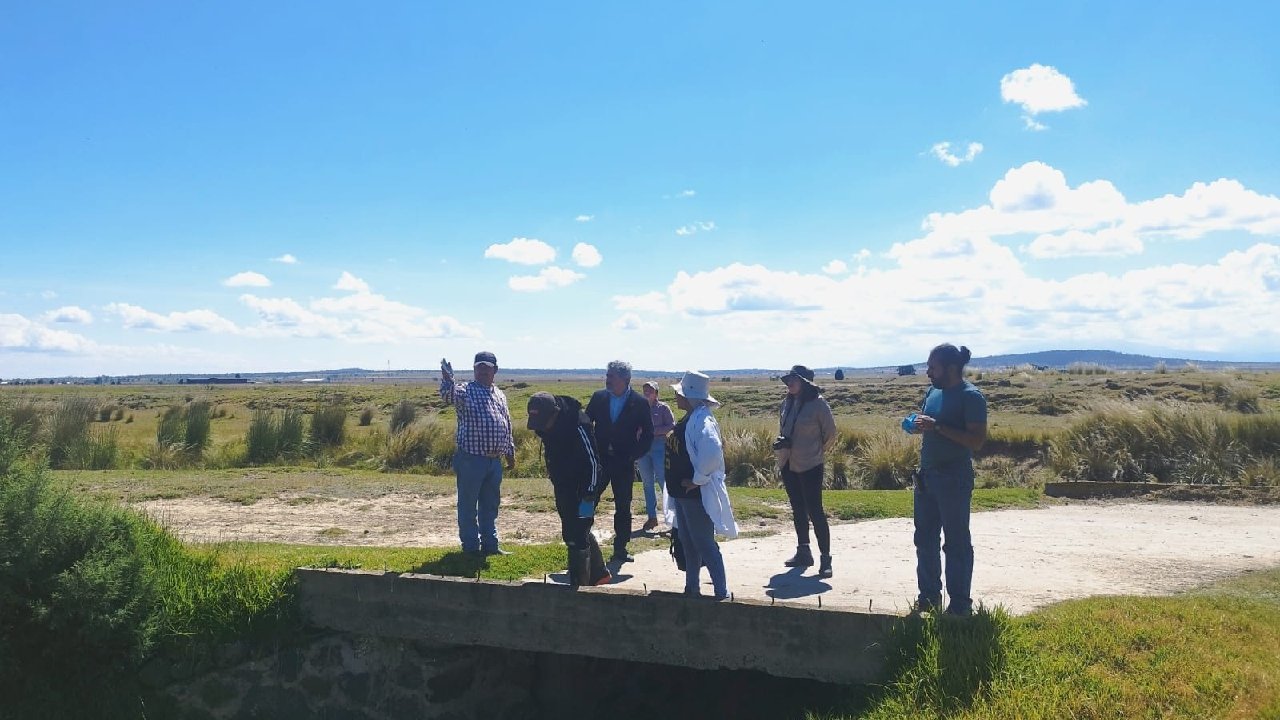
(1024, 558)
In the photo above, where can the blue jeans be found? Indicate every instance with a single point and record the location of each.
(479, 492)
(942, 499)
(653, 475)
(698, 537)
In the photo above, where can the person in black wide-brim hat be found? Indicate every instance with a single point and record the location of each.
(806, 432)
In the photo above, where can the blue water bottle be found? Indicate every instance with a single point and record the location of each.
(909, 423)
(586, 509)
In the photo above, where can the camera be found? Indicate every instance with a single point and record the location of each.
(781, 442)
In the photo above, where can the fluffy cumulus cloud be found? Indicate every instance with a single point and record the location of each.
(359, 316)
(1039, 89)
(69, 314)
(586, 255)
(836, 267)
(547, 279)
(247, 279)
(19, 334)
(351, 283)
(287, 259)
(585, 218)
(942, 151)
(524, 251)
(966, 279)
(628, 322)
(137, 318)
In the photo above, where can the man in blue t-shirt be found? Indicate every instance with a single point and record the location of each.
(953, 423)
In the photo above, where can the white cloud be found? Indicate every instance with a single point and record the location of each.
(247, 279)
(70, 314)
(525, 251)
(1075, 243)
(687, 193)
(1034, 125)
(836, 267)
(362, 316)
(18, 334)
(351, 283)
(547, 279)
(48, 294)
(287, 259)
(862, 255)
(696, 227)
(739, 287)
(585, 218)
(137, 318)
(586, 255)
(942, 151)
(629, 322)
(1040, 88)
(651, 302)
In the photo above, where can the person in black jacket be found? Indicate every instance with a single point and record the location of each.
(576, 475)
(624, 433)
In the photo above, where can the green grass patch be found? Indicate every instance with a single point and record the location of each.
(1214, 652)
(869, 504)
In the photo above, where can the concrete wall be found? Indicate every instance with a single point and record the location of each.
(830, 646)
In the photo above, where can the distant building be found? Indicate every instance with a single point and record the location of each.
(213, 381)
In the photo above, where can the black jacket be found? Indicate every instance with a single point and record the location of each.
(570, 451)
(628, 439)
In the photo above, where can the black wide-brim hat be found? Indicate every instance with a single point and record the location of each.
(802, 372)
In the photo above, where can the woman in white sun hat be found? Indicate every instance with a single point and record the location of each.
(695, 482)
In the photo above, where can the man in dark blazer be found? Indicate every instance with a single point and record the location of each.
(624, 432)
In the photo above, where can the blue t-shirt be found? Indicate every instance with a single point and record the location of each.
(954, 407)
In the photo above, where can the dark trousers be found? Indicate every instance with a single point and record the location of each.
(622, 477)
(942, 499)
(586, 564)
(804, 490)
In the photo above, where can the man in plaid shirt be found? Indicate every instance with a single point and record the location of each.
(484, 438)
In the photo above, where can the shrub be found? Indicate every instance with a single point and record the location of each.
(403, 415)
(366, 417)
(118, 414)
(105, 412)
(69, 432)
(1086, 368)
(328, 426)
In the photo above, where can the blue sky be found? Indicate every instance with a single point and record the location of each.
(197, 187)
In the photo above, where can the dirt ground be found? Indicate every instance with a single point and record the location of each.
(1024, 558)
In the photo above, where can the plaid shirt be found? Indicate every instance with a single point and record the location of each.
(484, 423)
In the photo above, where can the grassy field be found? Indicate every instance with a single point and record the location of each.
(1211, 653)
(1031, 410)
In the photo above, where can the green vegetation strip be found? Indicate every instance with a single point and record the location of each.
(1214, 653)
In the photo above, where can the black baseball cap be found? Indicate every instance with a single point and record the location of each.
(542, 410)
(486, 357)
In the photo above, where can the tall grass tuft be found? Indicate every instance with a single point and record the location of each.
(885, 460)
(170, 426)
(427, 443)
(366, 417)
(25, 415)
(69, 432)
(749, 458)
(1086, 368)
(273, 436)
(328, 426)
(1163, 442)
(403, 415)
(197, 427)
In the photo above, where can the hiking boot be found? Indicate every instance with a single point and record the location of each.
(802, 558)
(604, 579)
(650, 524)
(824, 568)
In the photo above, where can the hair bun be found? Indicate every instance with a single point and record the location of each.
(965, 354)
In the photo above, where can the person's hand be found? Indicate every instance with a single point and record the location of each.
(446, 369)
(511, 462)
(925, 424)
(687, 484)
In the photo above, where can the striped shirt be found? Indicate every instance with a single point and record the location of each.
(484, 423)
